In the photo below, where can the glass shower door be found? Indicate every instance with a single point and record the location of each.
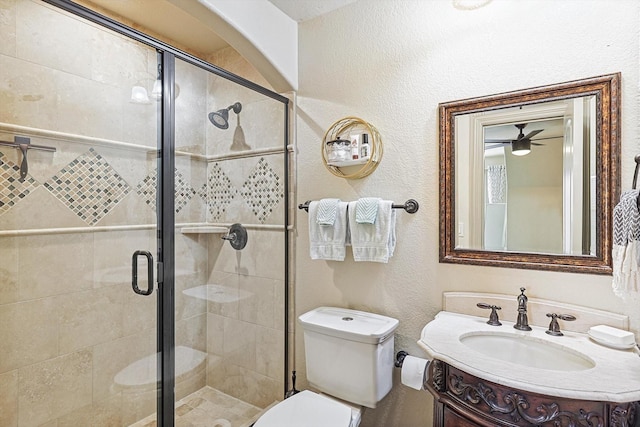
(127, 175)
(229, 297)
(78, 344)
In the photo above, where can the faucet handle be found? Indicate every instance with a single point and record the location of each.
(493, 317)
(554, 327)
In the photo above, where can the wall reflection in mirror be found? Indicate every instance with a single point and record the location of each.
(529, 178)
(537, 175)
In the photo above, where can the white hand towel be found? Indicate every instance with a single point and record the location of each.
(327, 209)
(328, 242)
(367, 210)
(373, 242)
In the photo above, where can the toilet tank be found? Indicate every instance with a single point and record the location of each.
(349, 353)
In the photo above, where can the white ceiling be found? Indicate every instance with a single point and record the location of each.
(168, 21)
(303, 10)
(551, 128)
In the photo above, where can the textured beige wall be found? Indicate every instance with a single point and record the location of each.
(391, 62)
(229, 59)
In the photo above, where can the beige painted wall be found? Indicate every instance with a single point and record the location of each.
(534, 194)
(391, 62)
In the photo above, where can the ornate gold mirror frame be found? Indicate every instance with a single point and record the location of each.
(606, 90)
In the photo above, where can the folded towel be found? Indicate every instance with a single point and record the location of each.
(626, 246)
(373, 242)
(327, 209)
(328, 241)
(367, 210)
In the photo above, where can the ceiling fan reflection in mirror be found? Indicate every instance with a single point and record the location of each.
(519, 146)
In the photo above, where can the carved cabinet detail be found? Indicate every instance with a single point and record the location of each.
(462, 399)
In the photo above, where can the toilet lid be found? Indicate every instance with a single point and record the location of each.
(307, 409)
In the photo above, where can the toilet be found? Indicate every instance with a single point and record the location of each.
(349, 357)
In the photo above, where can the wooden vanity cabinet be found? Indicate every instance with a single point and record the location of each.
(463, 400)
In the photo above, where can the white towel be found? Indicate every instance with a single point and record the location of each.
(373, 242)
(328, 242)
(626, 246)
(327, 209)
(367, 210)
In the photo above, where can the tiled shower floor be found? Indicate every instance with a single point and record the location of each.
(209, 407)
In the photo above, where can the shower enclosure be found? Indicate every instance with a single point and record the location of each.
(121, 302)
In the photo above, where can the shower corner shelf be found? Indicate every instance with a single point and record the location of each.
(204, 230)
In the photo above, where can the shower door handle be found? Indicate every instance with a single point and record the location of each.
(134, 272)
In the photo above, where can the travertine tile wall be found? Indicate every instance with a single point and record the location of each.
(69, 321)
(245, 330)
(245, 336)
(68, 318)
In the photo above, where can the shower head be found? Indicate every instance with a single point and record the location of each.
(220, 118)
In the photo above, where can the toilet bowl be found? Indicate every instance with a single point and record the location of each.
(310, 409)
(349, 359)
(142, 376)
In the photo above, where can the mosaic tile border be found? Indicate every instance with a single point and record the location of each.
(89, 186)
(218, 192)
(12, 191)
(148, 187)
(262, 190)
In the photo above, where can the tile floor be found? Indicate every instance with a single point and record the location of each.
(209, 407)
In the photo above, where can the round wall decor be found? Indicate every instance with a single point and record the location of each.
(351, 148)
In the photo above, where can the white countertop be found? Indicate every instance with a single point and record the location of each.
(615, 377)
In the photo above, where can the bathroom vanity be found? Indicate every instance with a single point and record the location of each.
(486, 375)
(465, 400)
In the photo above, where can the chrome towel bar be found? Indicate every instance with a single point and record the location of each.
(411, 206)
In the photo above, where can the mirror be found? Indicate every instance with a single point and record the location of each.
(529, 179)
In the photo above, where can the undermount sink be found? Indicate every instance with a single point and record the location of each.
(572, 366)
(526, 351)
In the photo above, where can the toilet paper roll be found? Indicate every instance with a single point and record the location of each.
(413, 369)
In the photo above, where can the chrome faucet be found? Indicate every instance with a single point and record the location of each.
(522, 324)
(554, 327)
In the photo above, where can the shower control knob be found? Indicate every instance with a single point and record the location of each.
(237, 236)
